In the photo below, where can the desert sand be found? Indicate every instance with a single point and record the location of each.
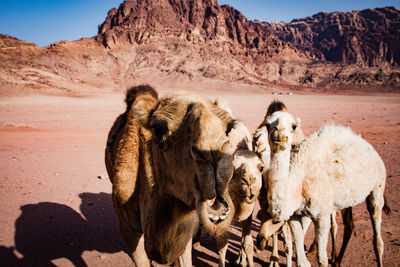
(55, 201)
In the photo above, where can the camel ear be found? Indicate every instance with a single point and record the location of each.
(223, 105)
(227, 148)
(298, 122)
(237, 161)
(268, 126)
(298, 133)
(143, 107)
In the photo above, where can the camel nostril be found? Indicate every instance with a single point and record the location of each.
(221, 200)
(211, 202)
(276, 220)
(279, 139)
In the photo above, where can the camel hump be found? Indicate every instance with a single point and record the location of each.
(133, 92)
(122, 151)
(275, 106)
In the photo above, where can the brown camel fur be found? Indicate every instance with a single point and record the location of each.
(170, 163)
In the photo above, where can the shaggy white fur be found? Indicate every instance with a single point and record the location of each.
(336, 156)
(268, 227)
(333, 169)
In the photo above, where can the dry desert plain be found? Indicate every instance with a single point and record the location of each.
(55, 207)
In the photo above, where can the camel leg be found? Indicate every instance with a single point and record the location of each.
(298, 235)
(267, 228)
(139, 253)
(305, 223)
(375, 202)
(333, 236)
(347, 215)
(322, 227)
(133, 238)
(222, 245)
(288, 244)
(274, 260)
(186, 258)
(313, 249)
(246, 253)
(131, 233)
(135, 244)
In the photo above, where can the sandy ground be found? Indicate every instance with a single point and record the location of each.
(55, 206)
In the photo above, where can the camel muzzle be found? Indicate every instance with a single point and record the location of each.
(216, 214)
(219, 210)
(281, 139)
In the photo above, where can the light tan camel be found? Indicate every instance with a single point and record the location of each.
(244, 189)
(170, 163)
(320, 178)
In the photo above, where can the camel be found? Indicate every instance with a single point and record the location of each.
(244, 189)
(268, 226)
(170, 163)
(330, 170)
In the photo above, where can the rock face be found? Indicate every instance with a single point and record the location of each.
(368, 37)
(174, 42)
(193, 22)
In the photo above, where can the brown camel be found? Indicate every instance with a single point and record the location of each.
(170, 163)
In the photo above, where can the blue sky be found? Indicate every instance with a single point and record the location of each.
(46, 21)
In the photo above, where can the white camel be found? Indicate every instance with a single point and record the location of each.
(269, 227)
(331, 170)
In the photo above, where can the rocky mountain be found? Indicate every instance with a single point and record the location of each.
(177, 42)
(368, 37)
(193, 22)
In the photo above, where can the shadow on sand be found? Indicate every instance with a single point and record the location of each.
(201, 258)
(47, 231)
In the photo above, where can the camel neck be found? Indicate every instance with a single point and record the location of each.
(284, 193)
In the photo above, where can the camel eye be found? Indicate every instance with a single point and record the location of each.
(261, 168)
(294, 126)
(160, 130)
(244, 180)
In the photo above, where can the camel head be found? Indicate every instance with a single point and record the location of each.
(247, 177)
(283, 130)
(192, 156)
